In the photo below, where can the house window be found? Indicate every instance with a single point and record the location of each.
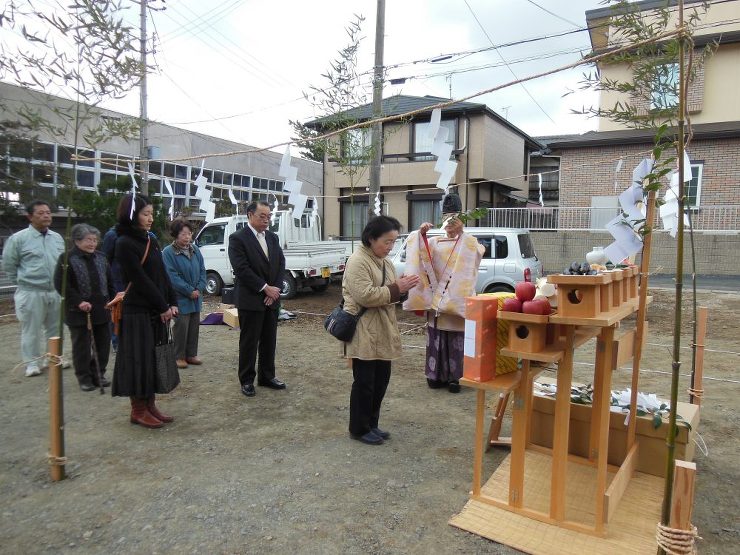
(357, 145)
(693, 187)
(664, 91)
(423, 142)
(354, 218)
(424, 211)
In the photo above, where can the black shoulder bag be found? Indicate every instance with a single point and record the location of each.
(341, 324)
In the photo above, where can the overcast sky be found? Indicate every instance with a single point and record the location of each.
(239, 67)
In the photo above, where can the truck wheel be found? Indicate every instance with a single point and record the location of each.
(499, 288)
(213, 283)
(290, 287)
(320, 288)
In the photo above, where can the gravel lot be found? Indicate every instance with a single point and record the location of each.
(278, 473)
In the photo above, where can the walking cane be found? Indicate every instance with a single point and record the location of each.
(94, 350)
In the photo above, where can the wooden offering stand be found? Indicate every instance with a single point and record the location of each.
(581, 317)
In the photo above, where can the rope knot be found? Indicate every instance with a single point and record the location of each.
(677, 542)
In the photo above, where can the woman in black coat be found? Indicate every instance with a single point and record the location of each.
(148, 307)
(89, 287)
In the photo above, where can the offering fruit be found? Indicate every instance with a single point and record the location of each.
(536, 307)
(525, 291)
(512, 305)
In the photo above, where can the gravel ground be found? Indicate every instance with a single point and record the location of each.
(278, 473)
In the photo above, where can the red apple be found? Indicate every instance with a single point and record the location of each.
(541, 308)
(525, 291)
(545, 307)
(512, 305)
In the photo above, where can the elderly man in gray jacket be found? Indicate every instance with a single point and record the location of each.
(29, 259)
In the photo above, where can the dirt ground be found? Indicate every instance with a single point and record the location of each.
(277, 473)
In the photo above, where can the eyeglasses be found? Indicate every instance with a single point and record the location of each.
(263, 216)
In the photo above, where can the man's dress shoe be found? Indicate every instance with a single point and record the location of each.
(274, 383)
(248, 390)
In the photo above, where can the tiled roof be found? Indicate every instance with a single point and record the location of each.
(719, 130)
(402, 104)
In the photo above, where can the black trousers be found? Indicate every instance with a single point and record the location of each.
(257, 335)
(368, 390)
(82, 355)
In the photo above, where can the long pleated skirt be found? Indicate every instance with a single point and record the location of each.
(444, 355)
(134, 372)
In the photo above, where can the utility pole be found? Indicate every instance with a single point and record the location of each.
(143, 154)
(377, 132)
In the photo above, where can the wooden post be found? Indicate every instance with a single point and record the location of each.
(641, 315)
(518, 437)
(701, 334)
(605, 346)
(56, 411)
(480, 413)
(561, 429)
(683, 495)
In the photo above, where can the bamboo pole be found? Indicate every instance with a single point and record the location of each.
(676, 364)
(641, 316)
(697, 387)
(56, 411)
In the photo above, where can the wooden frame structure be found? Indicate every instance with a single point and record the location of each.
(609, 482)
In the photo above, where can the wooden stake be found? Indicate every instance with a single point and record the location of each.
(683, 495)
(56, 411)
(701, 334)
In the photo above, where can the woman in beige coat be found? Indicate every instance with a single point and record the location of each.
(370, 282)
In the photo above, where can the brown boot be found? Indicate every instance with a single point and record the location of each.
(156, 413)
(140, 414)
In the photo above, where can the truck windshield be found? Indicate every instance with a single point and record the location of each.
(212, 235)
(525, 245)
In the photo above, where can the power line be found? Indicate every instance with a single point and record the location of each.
(237, 50)
(222, 50)
(578, 25)
(202, 19)
(507, 63)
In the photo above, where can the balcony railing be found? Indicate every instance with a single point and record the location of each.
(704, 218)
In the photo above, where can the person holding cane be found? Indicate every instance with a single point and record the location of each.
(89, 287)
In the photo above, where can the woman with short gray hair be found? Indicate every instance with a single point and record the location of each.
(89, 287)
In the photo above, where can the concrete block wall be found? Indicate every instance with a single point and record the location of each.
(716, 254)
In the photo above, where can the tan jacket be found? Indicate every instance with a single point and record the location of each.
(377, 336)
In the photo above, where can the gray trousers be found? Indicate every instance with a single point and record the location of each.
(185, 334)
(38, 313)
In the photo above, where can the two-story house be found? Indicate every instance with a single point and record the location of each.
(492, 156)
(591, 176)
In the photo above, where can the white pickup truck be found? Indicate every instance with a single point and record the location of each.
(309, 262)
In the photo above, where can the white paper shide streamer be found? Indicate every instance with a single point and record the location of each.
(626, 241)
(134, 186)
(442, 150)
(376, 210)
(292, 185)
(170, 192)
(275, 206)
(539, 180)
(314, 213)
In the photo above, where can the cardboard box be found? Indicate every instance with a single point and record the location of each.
(224, 306)
(485, 336)
(231, 317)
(652, 450)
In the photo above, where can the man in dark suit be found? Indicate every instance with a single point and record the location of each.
(258, 264)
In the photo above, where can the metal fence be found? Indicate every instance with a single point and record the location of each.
(705, 218)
